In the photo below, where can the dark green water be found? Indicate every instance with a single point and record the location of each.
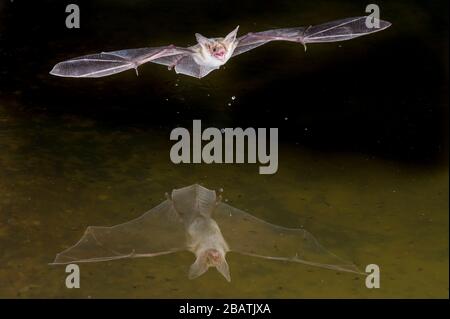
(362, 161)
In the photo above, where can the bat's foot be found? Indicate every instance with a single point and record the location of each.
(137, 72)
(219, 199)
(304, 44)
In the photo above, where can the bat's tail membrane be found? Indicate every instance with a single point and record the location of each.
(341, 30)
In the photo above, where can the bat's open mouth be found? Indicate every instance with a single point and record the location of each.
(220, 55)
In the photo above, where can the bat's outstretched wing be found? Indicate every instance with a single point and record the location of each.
(157, 232)
(249, 235)
(108, 63)
(334, 31)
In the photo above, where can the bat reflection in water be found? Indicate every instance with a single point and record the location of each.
(210, 53)
(193, 218)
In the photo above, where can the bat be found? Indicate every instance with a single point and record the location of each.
(194, 218)
(210, 54)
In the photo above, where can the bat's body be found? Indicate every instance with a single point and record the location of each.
(210, 53)
(213, 53)
(206, 241)
(194, 219)
(195, 205)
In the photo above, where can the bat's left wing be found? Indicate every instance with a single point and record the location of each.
(108, 63)
(338, 30)
(159, 231)
(249, 235)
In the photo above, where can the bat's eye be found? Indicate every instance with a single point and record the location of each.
(214, 49)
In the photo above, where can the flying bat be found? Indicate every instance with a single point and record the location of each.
(210, 54)
(195, 219)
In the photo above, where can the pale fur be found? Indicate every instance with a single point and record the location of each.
(203, 56)
(204, 234)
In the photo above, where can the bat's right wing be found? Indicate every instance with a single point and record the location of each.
(251, 236)
(157, 232)
(334, 31)
(108, 63)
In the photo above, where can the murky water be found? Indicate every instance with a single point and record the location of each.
(362, 161)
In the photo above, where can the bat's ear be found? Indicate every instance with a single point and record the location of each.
(199, 267)
(231, 36)
(203, 41)
(223, 268)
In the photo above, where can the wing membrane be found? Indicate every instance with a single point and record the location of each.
(108, 63)
(249, 235)
(334, 31)
(145, 236)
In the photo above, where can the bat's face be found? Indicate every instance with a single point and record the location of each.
(213, 257)
(210, 258)
(216, 52)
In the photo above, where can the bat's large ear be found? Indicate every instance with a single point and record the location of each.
(199, 267)
(231, 36)
(223, 268)
(203, 41)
